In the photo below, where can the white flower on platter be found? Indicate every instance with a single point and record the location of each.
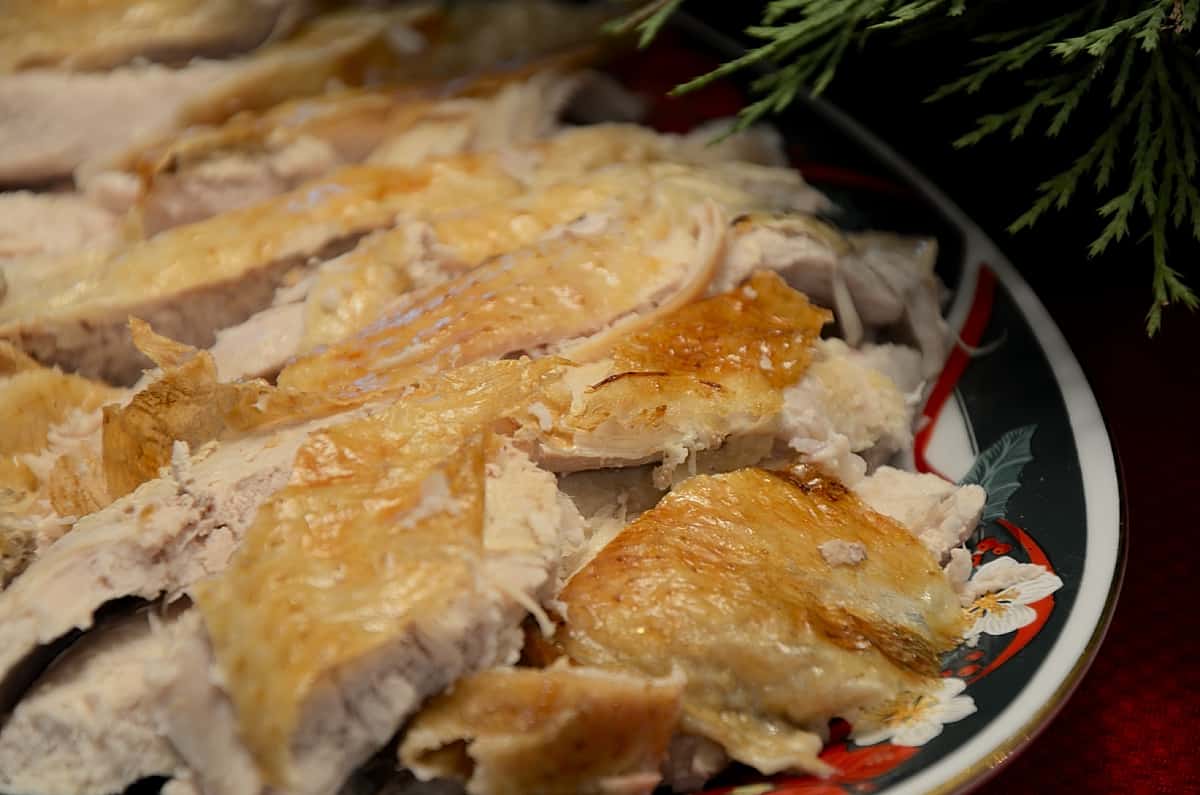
(1000, 592)
(913, 719)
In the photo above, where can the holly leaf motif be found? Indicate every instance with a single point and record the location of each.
(998, 469)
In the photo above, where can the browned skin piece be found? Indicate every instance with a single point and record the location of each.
(706, 371)
(192, 280)
(571, 293)
(356, 562)
(187, 403)
(562, 731)
(33, 400)
(724, 579)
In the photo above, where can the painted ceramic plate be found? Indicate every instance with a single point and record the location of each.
(1011, 410)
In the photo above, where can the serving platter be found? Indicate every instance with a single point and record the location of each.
(1011, 410)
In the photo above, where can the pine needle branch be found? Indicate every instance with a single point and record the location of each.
(1130, 61)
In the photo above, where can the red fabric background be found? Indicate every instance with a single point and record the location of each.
(1133, 726)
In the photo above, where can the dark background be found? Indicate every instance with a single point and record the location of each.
(1134, 723)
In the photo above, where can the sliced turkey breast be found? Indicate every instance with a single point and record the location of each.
(581, 288)
(256, 156)
(385, 541)
(161, 538)
(52, 122)
(53, 223)
(557, 731)
(688, 382)
(198, 278)
(90, 35)
(89, 725)
(726, 579)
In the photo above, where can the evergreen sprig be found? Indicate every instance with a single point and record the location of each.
(1136, 62)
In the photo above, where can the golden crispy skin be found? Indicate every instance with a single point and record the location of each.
(725, 579)
(233, 244)
(687, 382)
(379, 529)
(762, 327)
(619, 165)
(187, 403)
(33, 399)
(568, 293)
(13, 359)
(560, 731)
(356, 290)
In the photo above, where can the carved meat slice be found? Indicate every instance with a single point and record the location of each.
(688, 382)
(161, 538)
(198, 278)
(348, 294)
(52, 223)
(52, 122)
(845, 415)
(415, 48)
(941, 514)
(556, 731)
(89, 726)
(354, 291)
(872, 280)
(256, 156)
(86, 34)
(45, 416)
(726, 579)
(577, 290)
(379, 576)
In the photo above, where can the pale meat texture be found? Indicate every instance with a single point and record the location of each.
(52, 223)
(725, 579)
(54, 122)
(161, 538)
(940, 513)
(845, 414)
(559, 731)
(88, 726)
(198, 278)
(100, 34)
(386, 579)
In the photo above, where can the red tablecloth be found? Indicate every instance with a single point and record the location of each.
(1133, 725)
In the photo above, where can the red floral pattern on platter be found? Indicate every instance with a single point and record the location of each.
(1043, 606)
(857, 768)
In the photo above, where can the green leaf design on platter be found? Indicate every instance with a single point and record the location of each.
(998, 469)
